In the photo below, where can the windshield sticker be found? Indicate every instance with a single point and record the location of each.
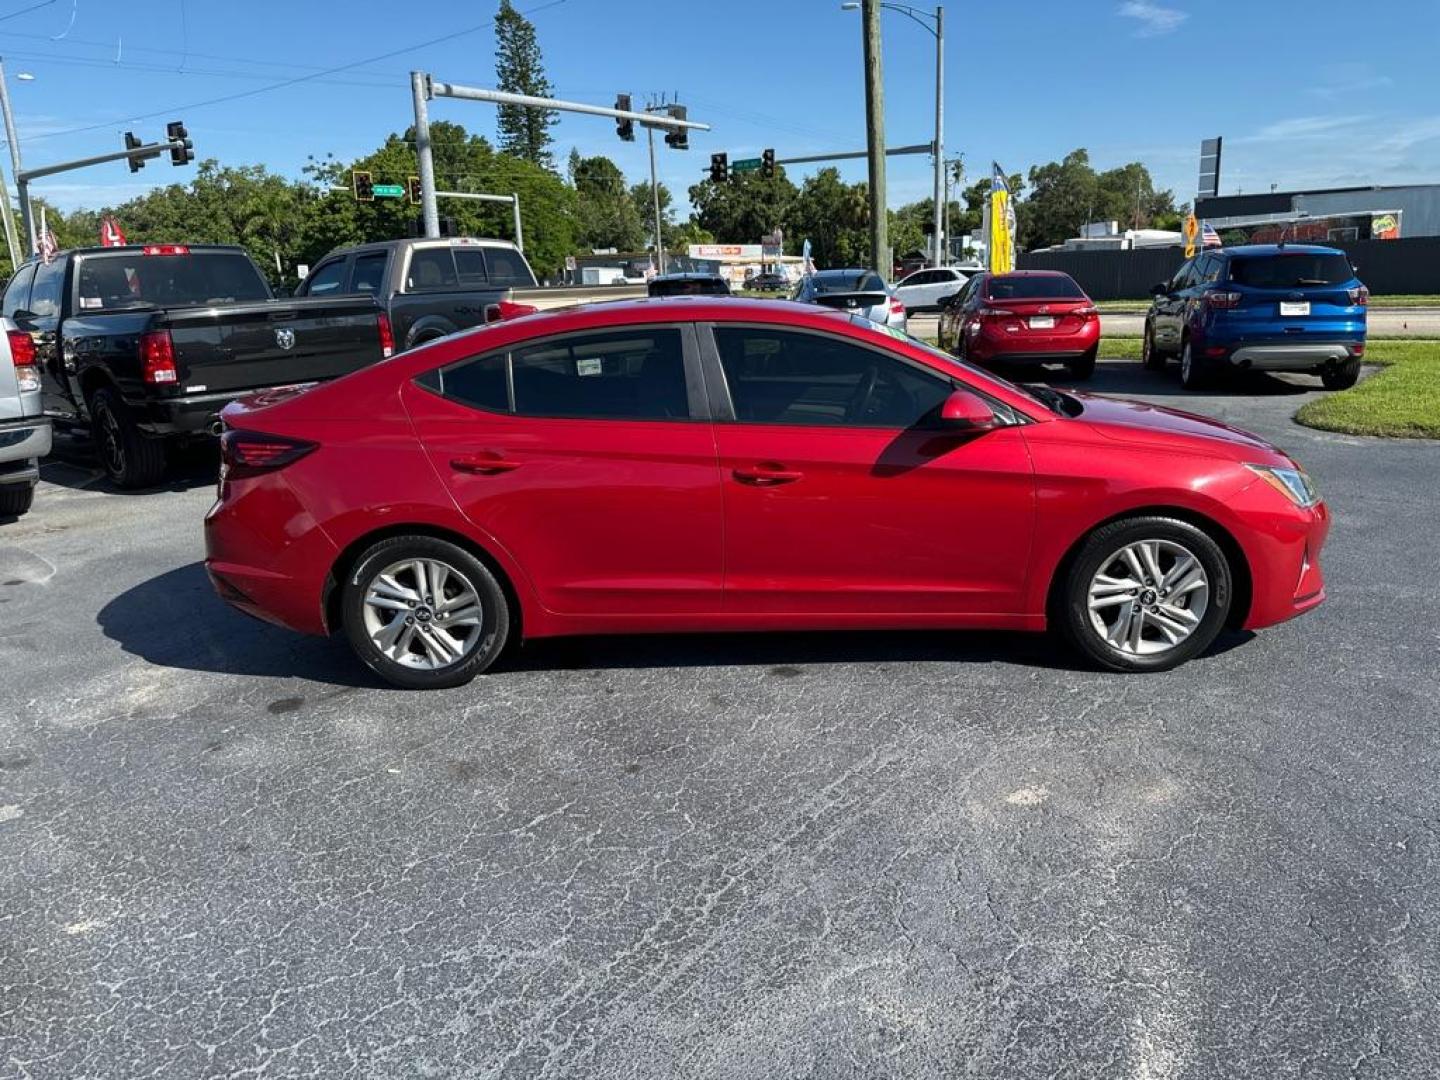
(589, 366)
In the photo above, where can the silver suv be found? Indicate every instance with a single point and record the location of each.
(24, 432)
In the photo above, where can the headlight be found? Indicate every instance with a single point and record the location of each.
(1292, 483)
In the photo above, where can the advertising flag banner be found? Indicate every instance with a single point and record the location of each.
(999, 224)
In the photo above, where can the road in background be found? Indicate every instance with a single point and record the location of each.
(224, 849)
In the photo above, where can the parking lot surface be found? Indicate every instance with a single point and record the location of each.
(227, 851)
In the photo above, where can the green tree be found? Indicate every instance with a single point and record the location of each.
(519, 69)
(645, 208)
(834, 216)
(605, 214)
(743, 209)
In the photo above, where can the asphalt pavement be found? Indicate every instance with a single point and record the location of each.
(226, 851)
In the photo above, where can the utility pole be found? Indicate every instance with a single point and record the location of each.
(939, 245)
(875, 138)
(15, 164)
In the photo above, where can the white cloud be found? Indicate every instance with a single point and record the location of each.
(1154, 20)
(1303, 127)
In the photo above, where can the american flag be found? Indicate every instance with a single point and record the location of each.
(1209, 237)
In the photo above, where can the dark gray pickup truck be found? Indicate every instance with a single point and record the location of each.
(429, 288)
(149, 343)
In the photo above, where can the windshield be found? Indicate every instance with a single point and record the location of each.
(1291, 269)
(849, 281)
(1034, 288)
(132, 279)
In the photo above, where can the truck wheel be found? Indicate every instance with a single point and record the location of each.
(130, 459)
(15, 499)
(1342, 376)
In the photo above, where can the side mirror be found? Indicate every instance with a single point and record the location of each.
(1160, 289)
(966, 411)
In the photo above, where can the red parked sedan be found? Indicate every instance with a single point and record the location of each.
(1030, 316)
(692, 464)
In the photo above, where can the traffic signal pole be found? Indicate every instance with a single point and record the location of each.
(420, 92)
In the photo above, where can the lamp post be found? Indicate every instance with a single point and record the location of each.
(935, 26)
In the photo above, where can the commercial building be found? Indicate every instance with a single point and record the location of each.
(1382, 212)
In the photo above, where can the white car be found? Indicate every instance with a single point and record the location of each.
(924, 289)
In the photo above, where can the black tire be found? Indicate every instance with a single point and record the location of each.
(490, 632)
(1341, 377)
(1102, 549)
(1194, 373)
(1084, 367)
(130, 459)
(1151, 358)
(16, 499)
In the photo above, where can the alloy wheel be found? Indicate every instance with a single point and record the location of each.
(423, 613)
(112, 446)
(1148, 597)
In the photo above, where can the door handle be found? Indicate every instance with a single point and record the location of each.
(766, 475)
(488, 463)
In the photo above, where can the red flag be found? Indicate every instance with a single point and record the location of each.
(110, 232)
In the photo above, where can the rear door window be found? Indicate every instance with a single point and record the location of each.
(430, 268)
(369, 273)
(327, 279)
(1291, 270)
(17, 293)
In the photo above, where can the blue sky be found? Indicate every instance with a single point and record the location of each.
(1306, 94)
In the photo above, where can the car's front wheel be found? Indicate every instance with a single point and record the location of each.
(424, 613)
(1146, 594)
(1341, 377)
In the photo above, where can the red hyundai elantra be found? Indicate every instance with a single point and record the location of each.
(1024, 317)
(697, 464)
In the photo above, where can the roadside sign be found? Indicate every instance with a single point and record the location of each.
(751, 164)
(1192, 230)
(389, 191)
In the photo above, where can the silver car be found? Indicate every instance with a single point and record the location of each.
(859, 292)
(24, 432)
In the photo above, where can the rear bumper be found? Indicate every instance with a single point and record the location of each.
(1288, 356)
(1031, 347)
(197, 414)
(22, 444)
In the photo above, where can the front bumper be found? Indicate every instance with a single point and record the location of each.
(22, 444)
(1282, 549)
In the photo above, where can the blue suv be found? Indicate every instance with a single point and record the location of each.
(1264, 307)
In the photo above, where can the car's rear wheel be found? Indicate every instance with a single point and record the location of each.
(1146, 594)
(1194, 374)
(424, 613)
(129, 457)
(16, 499)
(1084, 366)
(1151, 358)
(1342, 376)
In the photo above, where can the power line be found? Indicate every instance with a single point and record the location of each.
(26, 11)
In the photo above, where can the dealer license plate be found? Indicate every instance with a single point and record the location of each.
(1042, 322)
(1294, 307)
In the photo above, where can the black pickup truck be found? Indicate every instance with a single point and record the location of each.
(429, 287)
(149, 343)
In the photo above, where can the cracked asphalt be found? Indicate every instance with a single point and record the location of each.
(225, 851)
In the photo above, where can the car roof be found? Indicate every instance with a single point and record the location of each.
(687, 275)
(416, 241)
(1031, 273)
(1277, 249)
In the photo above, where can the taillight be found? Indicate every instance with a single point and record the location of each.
(1086, 310)
(157, 358)
(1223, 300)
(387, 336)
(506, 309)
(1360, 296)
(897, 306)
(165, 249)
(250, 453)
(22, 352)
(996, 313)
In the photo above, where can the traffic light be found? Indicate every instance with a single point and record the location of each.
(412, 189)
(624, 127)
(185, 153)
(679, 139)
(767, 164)
(132, 143)
(363, 184)
(719, 168)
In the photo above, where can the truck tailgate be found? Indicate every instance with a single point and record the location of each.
(245, 346)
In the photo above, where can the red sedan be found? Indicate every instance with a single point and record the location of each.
(692, 464)
(1030, 316)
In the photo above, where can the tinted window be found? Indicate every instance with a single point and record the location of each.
(133, 279)
(1208, 269)
(1034, 288)
(702, 286)
(369, 273)
(480, 382)
(45, 295)
(783, 377)
(431, 268)
(17, 293)
(470, 263)
(632, 374)
(326, 278)
(1293, 269)
(851, 281)
(1182, 276)
(508, 267)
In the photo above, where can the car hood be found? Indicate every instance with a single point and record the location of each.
(1154, 426)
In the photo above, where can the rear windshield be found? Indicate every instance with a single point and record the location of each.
(1291, 270)
(131, 279)
(1035, 288)
(689, 287)
(859, 281)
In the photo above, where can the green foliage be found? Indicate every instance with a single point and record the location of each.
(606, 215)
(745, 208)
(1067, 194)
(519, 69)
(834, 216)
